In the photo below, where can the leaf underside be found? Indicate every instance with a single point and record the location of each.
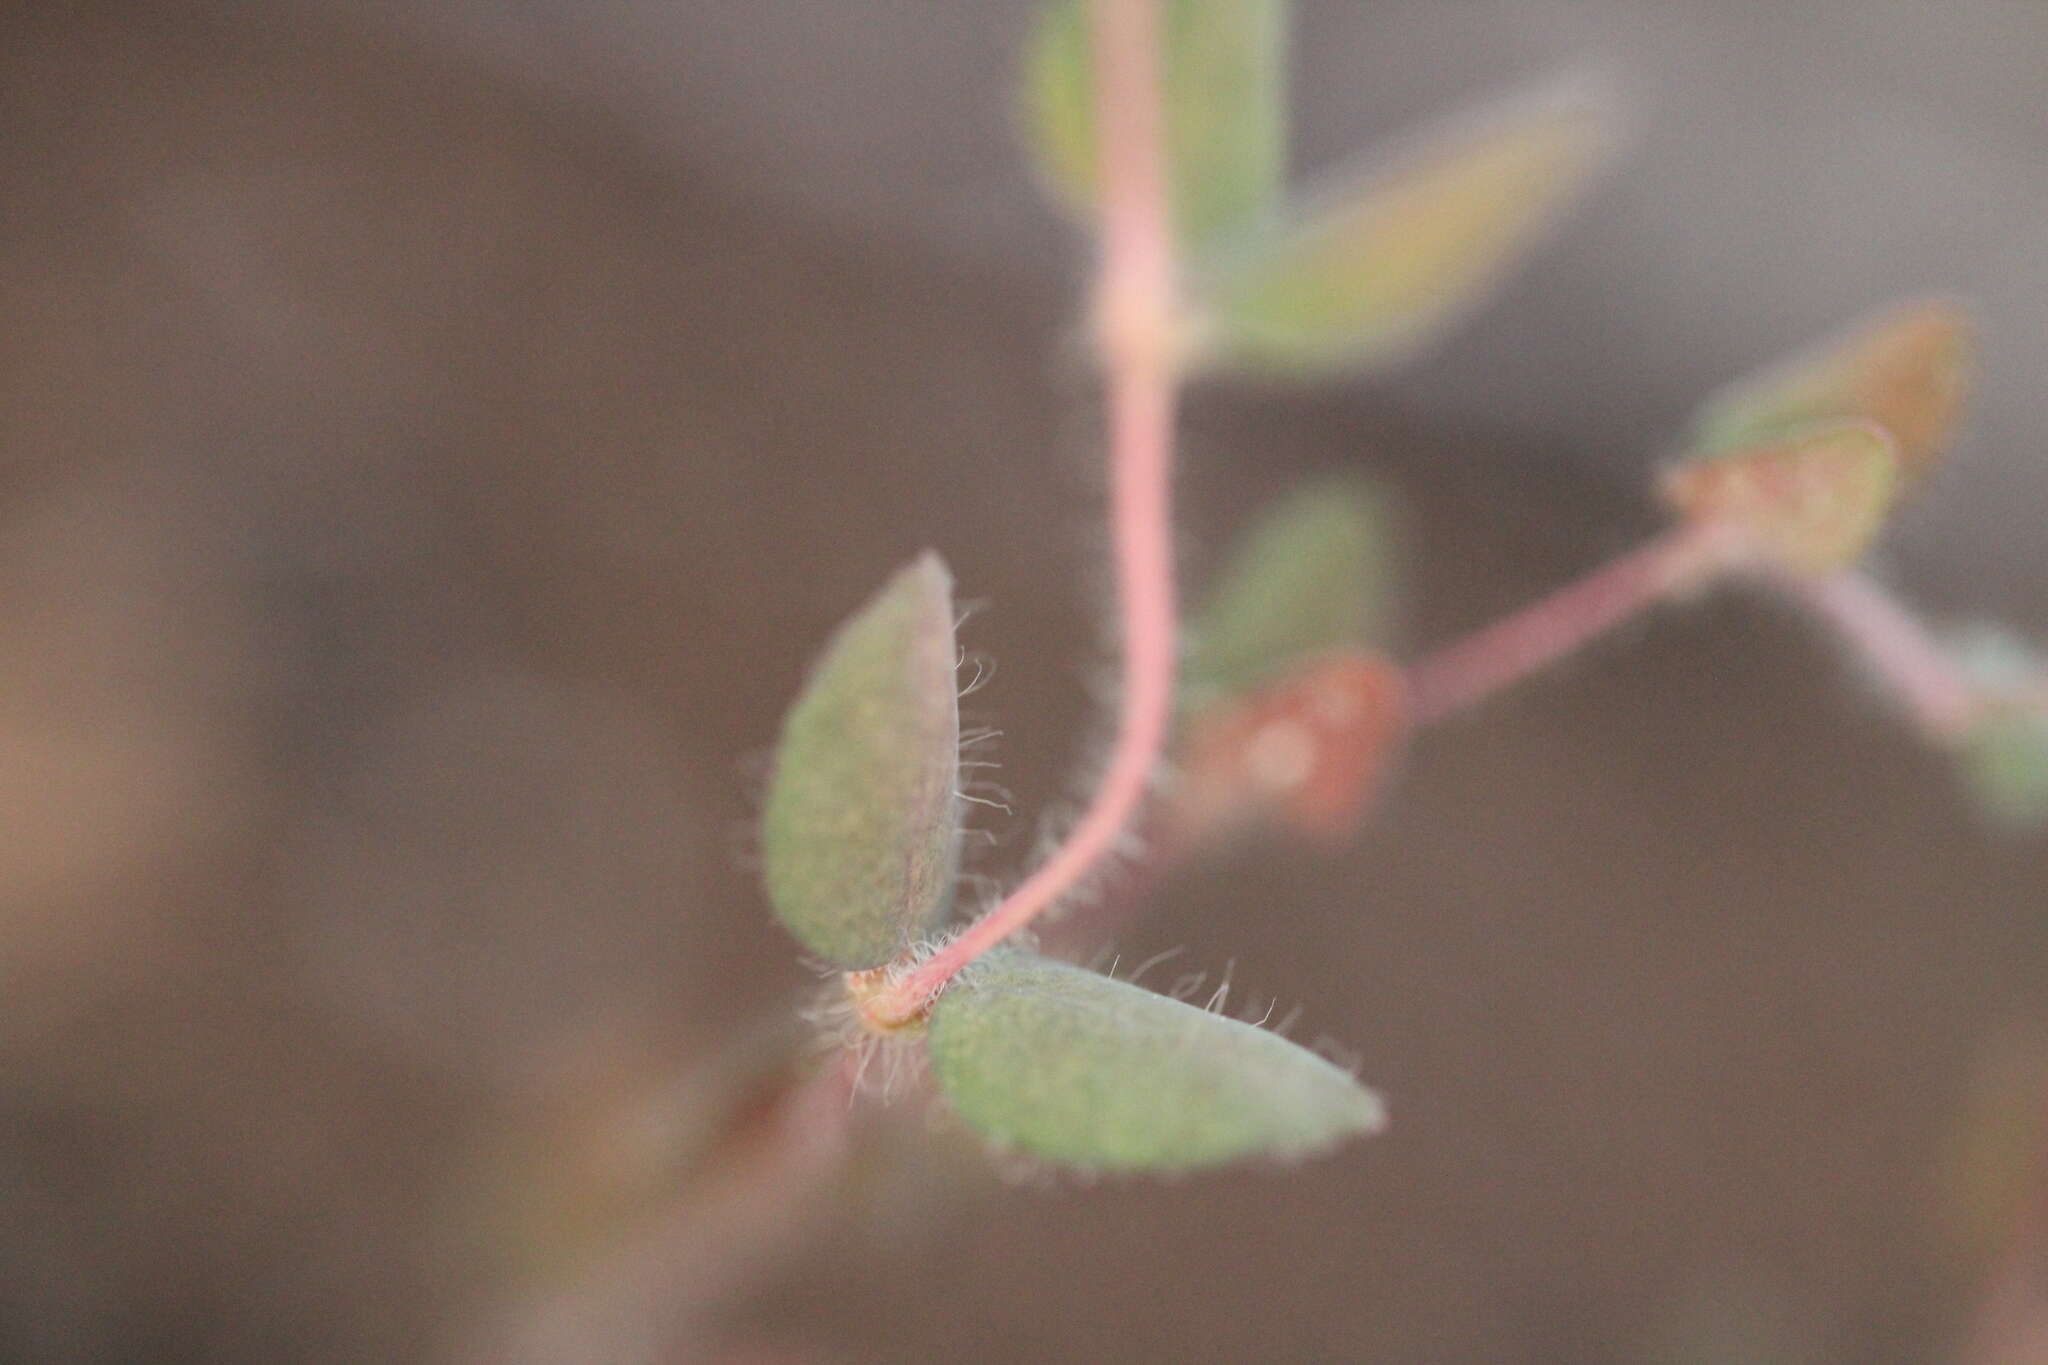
(1075, 1068)
(861, 831)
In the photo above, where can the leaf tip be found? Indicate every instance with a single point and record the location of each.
(1907, 366)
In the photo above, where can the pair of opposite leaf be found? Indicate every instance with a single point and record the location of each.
(1362, 271)
(860, 841)
(1286, 705)
(862, 823)
(1810, 457)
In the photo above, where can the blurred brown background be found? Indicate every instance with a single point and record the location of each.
(435, 436)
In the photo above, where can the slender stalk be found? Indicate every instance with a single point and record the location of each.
(1941, 699)
(1473, 669)
(1134, 320)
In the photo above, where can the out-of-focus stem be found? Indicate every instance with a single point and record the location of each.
(1134, 327)
(1471, 670)
(660, 1288)
(1942, 701)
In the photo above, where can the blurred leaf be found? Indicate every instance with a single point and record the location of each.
(1073, 1067)
(1814, 499)
(1312, 748)
(1907, 369)
(2005, 762)
(1225, 76)
(1313, 574)
(1375, 270)
(861, 833)
(2005, 755)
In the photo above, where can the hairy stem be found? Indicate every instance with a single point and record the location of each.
(1942, 701)
(1135, 321)
(1471, 670)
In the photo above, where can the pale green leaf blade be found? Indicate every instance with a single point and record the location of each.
(860, 836)
(1314, 574)
(1224, 70)
(1373, 270)
(1071, 1067)
(1907, 368)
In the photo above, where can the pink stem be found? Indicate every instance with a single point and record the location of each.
(1473, 669)
(1135, 305)
(1942, 700)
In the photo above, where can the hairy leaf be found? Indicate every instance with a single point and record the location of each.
(1314, 574)
(1225, 104)
(1072, 1067)
(1812, 499)
(1907, 369)
(861, 833)
(1377, 268)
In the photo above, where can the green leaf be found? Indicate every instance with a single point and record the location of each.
(1812, 499)
(1313, 575)
(1906, 368)
(2005, 754)
(860, 838)
(1072, 1067)
(2005, 763)
(1225, 103)
(1375, 269)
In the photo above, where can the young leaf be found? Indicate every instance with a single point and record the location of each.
(1225, 104)
(1311, 748)
(861, 832)
(1314, 574)
(1813, 499)
(1907, 369)
(1375, 270)
(1073, 1067)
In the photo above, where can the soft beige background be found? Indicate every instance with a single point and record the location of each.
(435, 435)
